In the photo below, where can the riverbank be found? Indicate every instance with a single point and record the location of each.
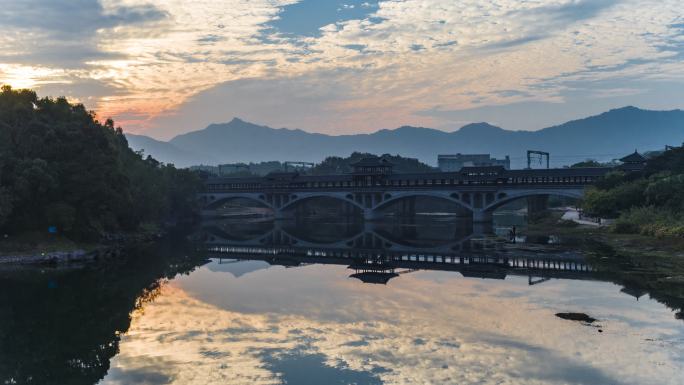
(34, 248)
(587, 235)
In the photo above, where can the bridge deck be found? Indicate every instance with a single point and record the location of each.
(462, 179)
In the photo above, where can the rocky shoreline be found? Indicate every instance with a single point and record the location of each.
(110, 246)
(59, 257)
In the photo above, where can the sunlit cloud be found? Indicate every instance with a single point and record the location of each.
(397, 59)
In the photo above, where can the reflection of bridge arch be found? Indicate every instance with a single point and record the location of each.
(366, 239)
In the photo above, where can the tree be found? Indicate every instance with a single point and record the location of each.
(60, 166)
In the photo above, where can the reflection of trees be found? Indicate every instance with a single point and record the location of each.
(63, 327)
(639, 275)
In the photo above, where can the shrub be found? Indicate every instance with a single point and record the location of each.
(651, 221)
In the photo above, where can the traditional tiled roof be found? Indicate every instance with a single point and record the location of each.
(634, 157)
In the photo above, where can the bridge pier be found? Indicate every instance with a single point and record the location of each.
(370, 214)
(283, 214)
(482, 216)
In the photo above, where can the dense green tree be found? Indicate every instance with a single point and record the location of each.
(339, 165)
(59, 166)
(588, 163)
(650, 202)
(667, 192)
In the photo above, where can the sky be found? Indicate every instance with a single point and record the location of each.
(165, 67)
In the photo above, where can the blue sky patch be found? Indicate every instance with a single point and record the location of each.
(308, 16)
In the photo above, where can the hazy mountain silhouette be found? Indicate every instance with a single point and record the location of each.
(602, 137)
(165, 151)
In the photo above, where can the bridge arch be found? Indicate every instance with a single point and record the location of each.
(299, 198)
(503, 198)
(415, 194)
(215, 201)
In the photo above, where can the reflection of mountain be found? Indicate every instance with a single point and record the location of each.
(237, 268)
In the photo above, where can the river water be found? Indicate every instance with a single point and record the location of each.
(434, 302)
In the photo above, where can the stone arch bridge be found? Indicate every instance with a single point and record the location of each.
(478, 190)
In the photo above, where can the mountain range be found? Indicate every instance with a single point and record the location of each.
(602, 137)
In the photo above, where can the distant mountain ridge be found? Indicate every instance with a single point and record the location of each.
(603, 137)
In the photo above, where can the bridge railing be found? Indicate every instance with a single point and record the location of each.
(416, 184)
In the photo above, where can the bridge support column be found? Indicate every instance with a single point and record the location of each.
(370, 214)
(482, 216)
(283, 214)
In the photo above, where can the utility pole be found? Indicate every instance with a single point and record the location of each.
(540, 154)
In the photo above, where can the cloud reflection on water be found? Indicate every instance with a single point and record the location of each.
(278, 324)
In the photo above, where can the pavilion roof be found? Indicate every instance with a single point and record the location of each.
(634, 157)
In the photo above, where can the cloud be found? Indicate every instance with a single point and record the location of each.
(385, 61)
(65, 34)
(74, 18)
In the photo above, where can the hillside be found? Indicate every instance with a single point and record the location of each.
(602, 137)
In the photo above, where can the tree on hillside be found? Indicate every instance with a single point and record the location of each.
(59, 166)
(650, 201)
(339, 165)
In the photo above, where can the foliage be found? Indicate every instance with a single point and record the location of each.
(650, 202)
(650, 220)
(59, 166)
(666, 191)
(339, 165)
(591, 163)
(609, 203)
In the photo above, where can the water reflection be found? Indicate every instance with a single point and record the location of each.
(63, 325)
(380, 251)
(324, 301)
(431, 327)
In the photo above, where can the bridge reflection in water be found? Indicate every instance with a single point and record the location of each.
(379, 252)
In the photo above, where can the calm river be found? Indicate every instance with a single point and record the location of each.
(339, 303)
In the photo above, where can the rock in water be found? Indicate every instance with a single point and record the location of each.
(576, 317)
